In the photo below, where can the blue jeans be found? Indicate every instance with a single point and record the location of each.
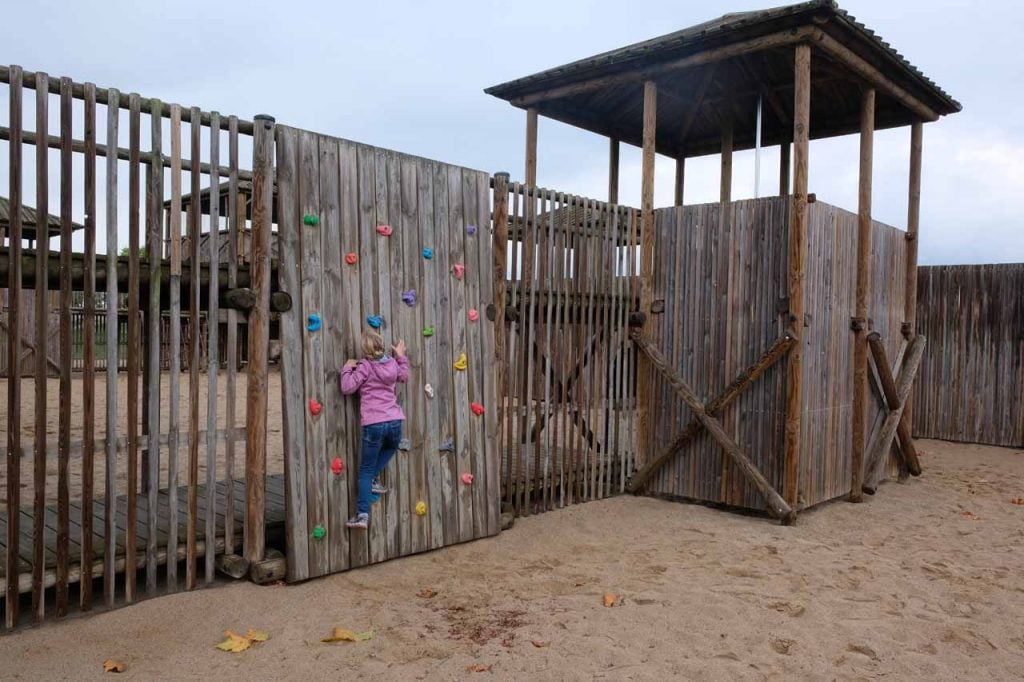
(380, 441)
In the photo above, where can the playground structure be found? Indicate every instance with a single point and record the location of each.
(563, 348)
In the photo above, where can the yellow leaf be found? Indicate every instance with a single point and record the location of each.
(346, 635)
(234, 642)
(256, 636)
(112, 666)
(609, 599)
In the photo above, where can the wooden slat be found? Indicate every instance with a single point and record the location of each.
(134, 136)
(64, 406)
(645, 375)
(442, 382)
(213, 350)
(194, 226)
(154, 240)
(236, 223)
(110, 471)
(432, 363)
(89, 339)
(174, 335)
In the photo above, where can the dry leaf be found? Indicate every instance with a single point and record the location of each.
(610, 599)
(539, 643)
(256, 636)
(236, 642)
(427, 593)
(112, 666)
(1017, 500)
(478, 668)
(345, 635)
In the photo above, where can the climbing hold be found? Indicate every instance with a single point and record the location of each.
(351, 258)
(319, 533)
(467, 478)
(314, 407)
(447, 446)
(310, 220)
(421, 508)
(429, 390)
(409, 297)
(405, 445)
(473, 315)
(314, 323)
(459, 269)
(384, 230)
(461, 363)
(428, 331)
(470, 229)
(476, 408)
(375, 321)
(337, 466)
(428, 254)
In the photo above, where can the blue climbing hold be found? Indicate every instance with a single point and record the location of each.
(314, 323)
(409, 297)
(375, 321)
(447, 446)
(428, 254)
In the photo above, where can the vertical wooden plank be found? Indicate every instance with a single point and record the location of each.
(797, 253)
(645, 375)
(913, 224)
(213, 355)
(860, 321)
(110, 503)
(236, 224)
(497, 331)
(41, 296)
(613, 170)
(289, 223)
(194, 226)
(154, 239)
(64, 407)
(526, 298)
(174, 334)
(723, 291)
(474, 348)
(130, 545)
(89, 343)
(680, 178)
(513, 328)
(531, 147)
(784, 151)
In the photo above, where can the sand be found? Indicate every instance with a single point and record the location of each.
(923, 580)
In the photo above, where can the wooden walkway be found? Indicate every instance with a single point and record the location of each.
(275, 513)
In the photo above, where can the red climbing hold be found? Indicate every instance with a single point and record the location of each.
(473, 315)
(384, 230)
(467, 478)
(459, 270)
(314, 407)
(337, 466)
(477, 408)
(351, 258)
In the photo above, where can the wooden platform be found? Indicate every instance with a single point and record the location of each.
(275, 511)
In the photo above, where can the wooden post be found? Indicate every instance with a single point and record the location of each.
(680, 174)
(913, 224)
(797, 263)
(645, 372)
(254, 540)
(613, 171)
(784, 169)
(531, 146)
(860, 318)
(909, 453)
(499, 251)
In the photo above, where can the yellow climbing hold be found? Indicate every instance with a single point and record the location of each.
(421, 508)
(462, 363)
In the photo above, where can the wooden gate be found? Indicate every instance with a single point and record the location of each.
(334, 199)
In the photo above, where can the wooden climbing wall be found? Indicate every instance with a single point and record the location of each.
(349, 190)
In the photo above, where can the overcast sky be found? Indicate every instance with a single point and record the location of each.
(410, 76)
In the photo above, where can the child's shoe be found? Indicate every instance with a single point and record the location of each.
(377, 488)
(359, 521)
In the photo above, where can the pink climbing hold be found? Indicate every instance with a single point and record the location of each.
(459, 270)
(337, 466)
(384, 230)
(314, 407)
(473, 315)
(351, 258)
(477, 408)
(467, 478)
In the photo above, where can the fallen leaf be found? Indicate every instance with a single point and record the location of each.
(257, 636)
(112, 666)
(610, 599)
(540, 643)
(478, 668)
(427, 593)
(236, 642)
(346, 635)
(1018, 501)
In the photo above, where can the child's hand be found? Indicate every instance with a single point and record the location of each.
(399, 349)
(351, 364)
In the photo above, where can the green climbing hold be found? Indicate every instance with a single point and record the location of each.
(428, 331)
(319, 533)
(310, 220)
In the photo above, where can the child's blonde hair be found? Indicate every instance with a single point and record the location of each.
(373, 345)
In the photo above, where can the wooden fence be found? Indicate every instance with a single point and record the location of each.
(971, 387)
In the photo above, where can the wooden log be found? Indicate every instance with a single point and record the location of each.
(913, 224)
(499, 253)
(232, 565)
(110, 509)
(134, 137)
(863, 293)
(42, 323)
(531, 147)
(893, 401)
(89, 343)
(645, 375)
(680, 178)
(775, 504)
(154, 240)
(236, 223)
(272, 568)
(174, 338)
(797, 264)
(242, 298)
(259, 335)
(213, 353)
(738, 385)
(613, 170)
(876, 456)
(725, 235)
(64, 406)
(784, 150)
(194, 229)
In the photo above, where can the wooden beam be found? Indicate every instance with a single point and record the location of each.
(645, 393)
(869, 73)
(771, 41)
(613, 170)
(784, 149)
(725, 184)
(797, 264)
(499, 252)
(913, 223)
(531, 147)
(893, 401)
(775, 504)
(860, 315)
(680, 176)
(743, 380)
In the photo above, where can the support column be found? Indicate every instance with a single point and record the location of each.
(613, 171)
(680, 174)
(860, 316)
(913, 223)
(725, 237)
(795, 276)
(645, 373)
(784, 169)
(531, 147)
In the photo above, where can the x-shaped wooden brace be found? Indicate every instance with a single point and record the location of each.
(776, 505)
(896, 394)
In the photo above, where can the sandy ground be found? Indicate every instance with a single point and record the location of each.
(922, 581)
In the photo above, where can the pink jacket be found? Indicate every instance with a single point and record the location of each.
(375, 382)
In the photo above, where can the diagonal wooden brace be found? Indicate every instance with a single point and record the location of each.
(878, 449)
(893, 401)
(776, 505)
(742, 381)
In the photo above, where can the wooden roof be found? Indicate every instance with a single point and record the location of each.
(28, 220)
(713, 73)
